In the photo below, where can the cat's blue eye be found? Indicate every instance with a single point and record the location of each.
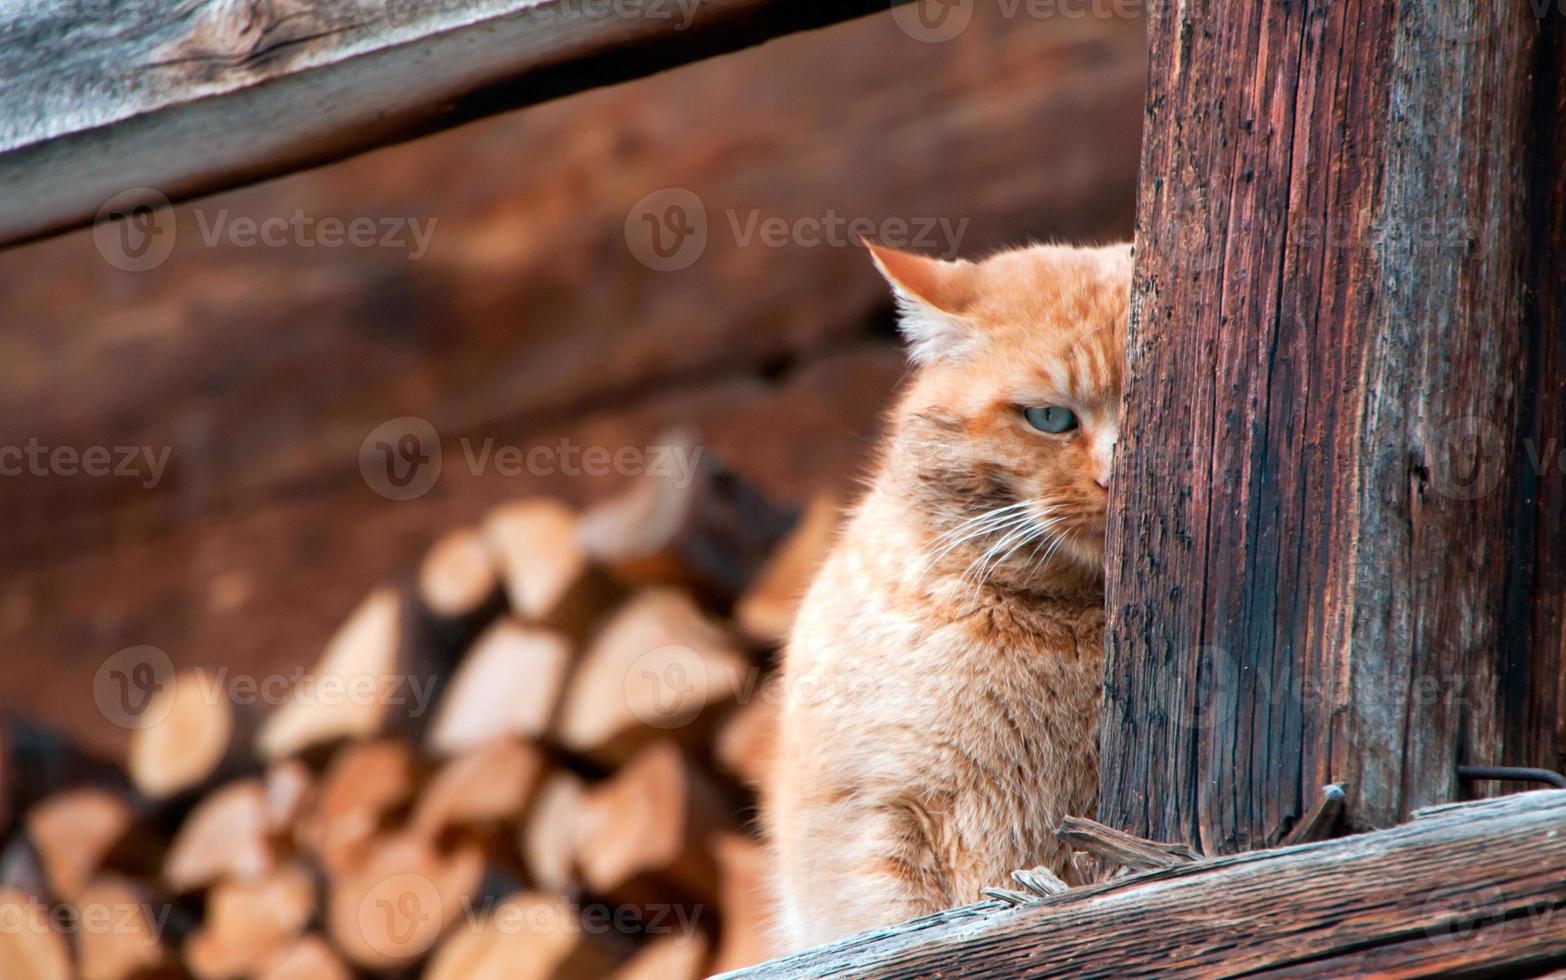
(1051, 418)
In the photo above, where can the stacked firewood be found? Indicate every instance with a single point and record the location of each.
(537, 756)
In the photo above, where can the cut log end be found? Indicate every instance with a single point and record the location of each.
(32, 947)
(247, 922)
(73, 833)
(116, 935)
(528, 935)
(227, 835)
(508, 684)
(390, 911)
(459, 576)
(191, 726)
(657, 666)
(349, 691)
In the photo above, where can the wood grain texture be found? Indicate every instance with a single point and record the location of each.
(1455, 894)
(1326, 562)
(201, 95)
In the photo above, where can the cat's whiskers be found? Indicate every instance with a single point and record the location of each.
(992, 521)
(1037, 528)
(1005, 527)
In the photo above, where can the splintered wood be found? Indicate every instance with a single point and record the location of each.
(536, 756)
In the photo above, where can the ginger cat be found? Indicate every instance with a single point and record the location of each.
(942, 680)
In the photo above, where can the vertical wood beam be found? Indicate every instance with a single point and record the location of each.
(1332, 557)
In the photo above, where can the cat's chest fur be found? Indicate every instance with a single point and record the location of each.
(980, 718)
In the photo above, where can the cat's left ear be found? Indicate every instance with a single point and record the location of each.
(932, 297)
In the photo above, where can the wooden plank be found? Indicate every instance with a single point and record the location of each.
(1328, 539)
(1454, 894)
(194, 97)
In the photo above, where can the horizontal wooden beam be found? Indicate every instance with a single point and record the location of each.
(188, 97)
(1461, 890)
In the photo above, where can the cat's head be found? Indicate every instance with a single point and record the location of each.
(1004, 436)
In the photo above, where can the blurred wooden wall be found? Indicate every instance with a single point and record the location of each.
(527, 321)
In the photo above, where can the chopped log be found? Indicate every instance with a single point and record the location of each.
(73, 833)
(668, 958)
(655, 668)
(225, 836)
(550, 579)
(189, 740)
(743, 899)
(688, 522)
(307, 958)
(459, 576)
(349, 693)
(116, 931)
(547, 839)
(247, 922)
(31, 947)
(1472, 891)
(745, 741)
(365, 783)
(644, 832)
(527, 936)
(765, 613)
(1118, 847)
(458, 595)
(508, 684)
(389, 911)
(289, 785)
(487, 784)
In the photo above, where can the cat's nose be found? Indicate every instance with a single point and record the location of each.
(1103, 481)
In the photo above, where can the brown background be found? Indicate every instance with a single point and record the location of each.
(263, 369)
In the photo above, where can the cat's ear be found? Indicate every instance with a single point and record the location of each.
(932, 297)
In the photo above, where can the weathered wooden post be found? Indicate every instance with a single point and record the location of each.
(1338, 551)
